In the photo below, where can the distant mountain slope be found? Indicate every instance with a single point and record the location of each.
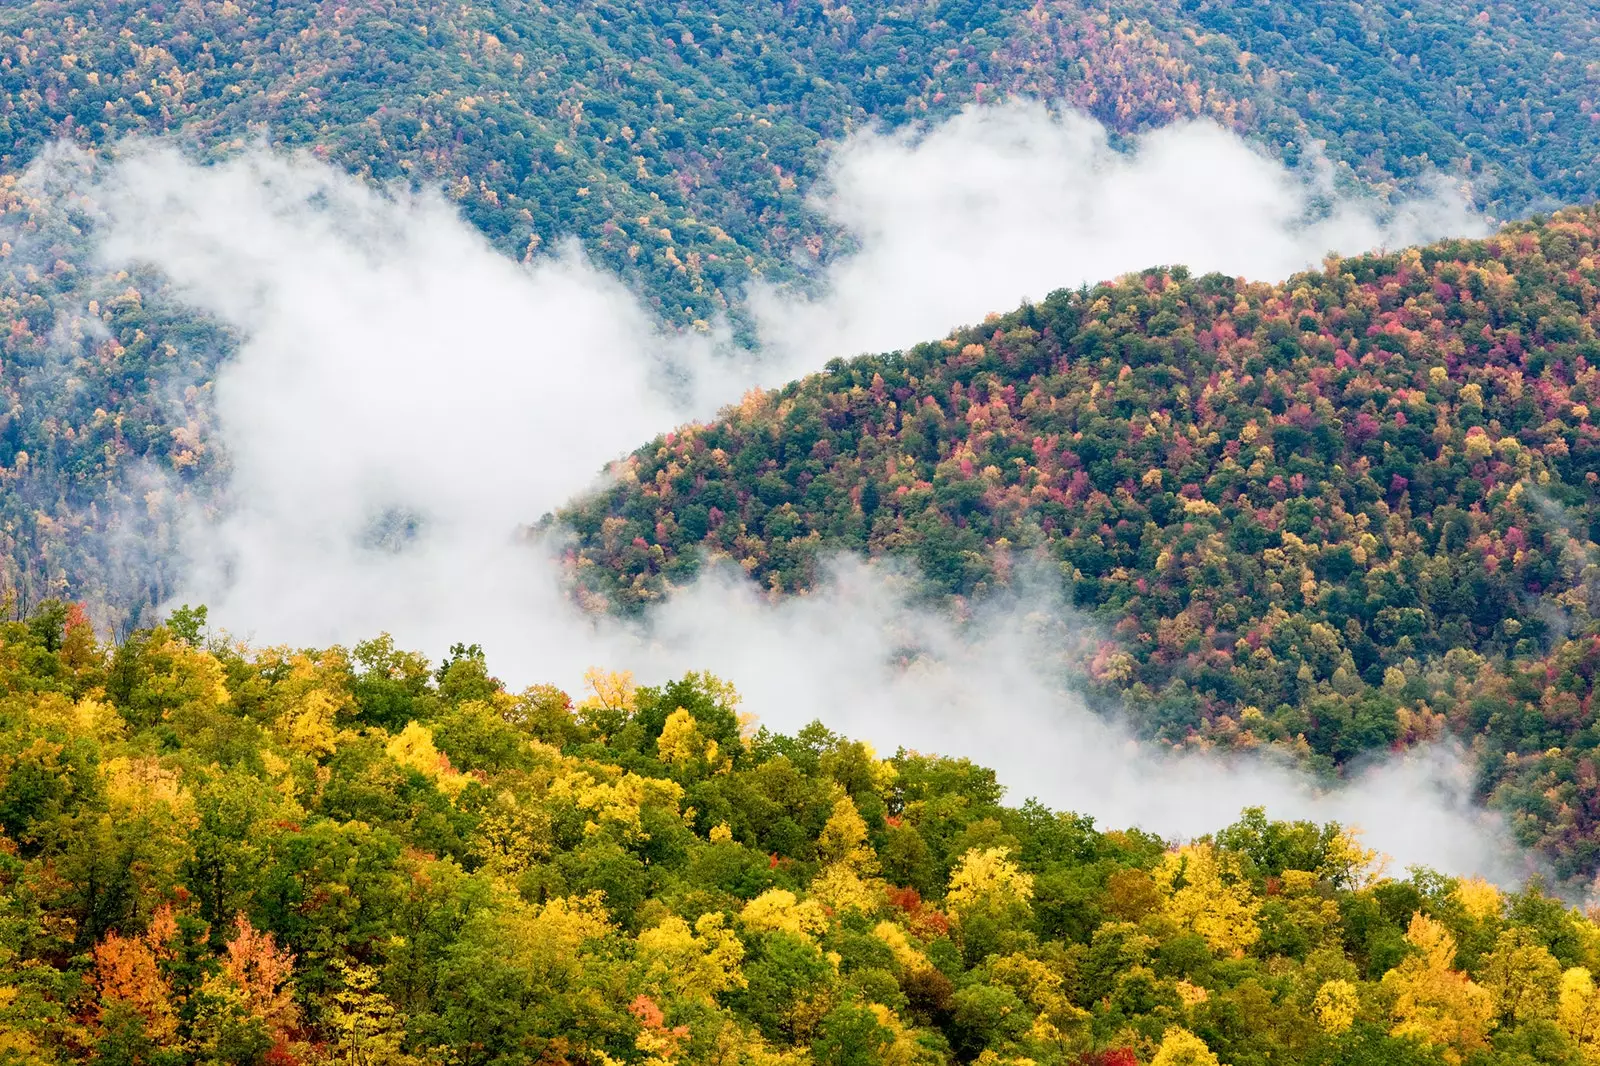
(1503, 92)
(678, 143)
(1352, 510)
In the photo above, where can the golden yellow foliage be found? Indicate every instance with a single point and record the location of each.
(693, 965)
(308, 725)
(141, 787)
(721, 834)
(615, 803)
(1434, 1002)
(905, 953)
(1347, 863)
(680, 742)
(612, 697)
(844, 839)
(1522, 976)
(413, 748)
(987, 877)
(1578, 1011)
(1058, 1020)
(1179, 1047)
(1478, 898)
(548, 939)
(1206, 894)
(1336, 1006)
(88, 717)
(365, 1027)
(778, 909)
(991, 1057)
(843, 889)
(514, 833)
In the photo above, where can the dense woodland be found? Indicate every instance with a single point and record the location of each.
(1350, 512)
(1353, 511)
(213, 854)
(677, 142)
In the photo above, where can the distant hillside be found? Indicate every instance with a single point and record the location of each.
(1354, 510)
(678, 143)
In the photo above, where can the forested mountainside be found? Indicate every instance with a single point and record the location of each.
(1352, 511)
(678, 143)
(213, 854)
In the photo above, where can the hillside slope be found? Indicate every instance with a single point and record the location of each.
(1353, 510)
(677, 143)
(213, 855)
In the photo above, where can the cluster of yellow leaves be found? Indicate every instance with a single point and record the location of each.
(777, 909)
(309, 697)
(616, 802)
(681, 744)
(1057, 1020)
(694, 964)
(1522, 976)
(987, 878)
(1336, 1006)
(142, 788)
(612, 698)
(366, 1028)
(1433, 1001)
(514, 833)
(1179, 1047)
(1480, 899)
(905, 953)
(88, 718)
(1578, 1011)
(413, 748)
(848, 880)
(1346, 862)
(1205, 893)
(545, 942)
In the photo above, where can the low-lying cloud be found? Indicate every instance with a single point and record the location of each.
(1013, 201)
(404, 398)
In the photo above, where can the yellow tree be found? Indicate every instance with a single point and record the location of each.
(1179, 1047)
(986, 878)
(1336, 1005)
(1578, 1012)
(1480, 899)
(848, 880)
(778, 909)
(694, 965)
(1434, 1002)
(1206, 894)
(366, 1029)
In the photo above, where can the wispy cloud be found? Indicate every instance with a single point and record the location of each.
(1013, 201)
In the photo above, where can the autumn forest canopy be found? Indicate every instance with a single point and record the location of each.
(1330, 519)
(217, 854)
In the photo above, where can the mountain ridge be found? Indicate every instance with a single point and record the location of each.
(1308, 512)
